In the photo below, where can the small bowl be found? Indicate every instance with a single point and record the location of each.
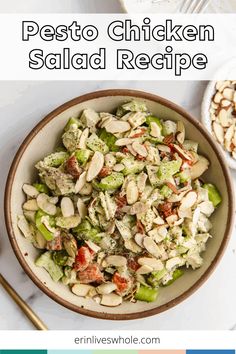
(43, 139)
(227, 71)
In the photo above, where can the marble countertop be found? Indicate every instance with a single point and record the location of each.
(22, 105)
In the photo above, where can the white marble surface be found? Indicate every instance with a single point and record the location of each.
(22, 105)
(60, 6)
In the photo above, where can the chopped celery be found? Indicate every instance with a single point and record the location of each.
(82, 156)
(154, 119)
(166, 191)
(56, 159)
(184, 176)
(109, 139)
(213, 194)
(111, 182)
(46, 261)
(176, 275)
(48, 235)
(168, 169)
(60, 257)
(73, 121)
(85, 231)
(155, 277)
(146, 294)
(132, 166)
(41, 188)
(96, 144)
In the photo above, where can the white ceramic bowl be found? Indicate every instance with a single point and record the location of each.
(43, 139)
(227, 71)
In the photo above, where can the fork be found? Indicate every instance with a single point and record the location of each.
(194, 6)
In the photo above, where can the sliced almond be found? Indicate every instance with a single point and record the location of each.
(144, 269)
(117, 126)
(229, 134)
(199, 168)
(224, 119)
(83, 139)
(151, 247)
(225, 104)
(234, 98)
(31, 205)
(132, 192)
(154, 263)
(188, 200)
(107, 288)
(95, 166)
(131, 150)
(219, 132)
(116, 261)
(111, 300)
(173, 262)
(31, 191)
(95, 248)
(81, 289)
(171, 219)
(139, 148)
(221, 85)
(180, 136)
(132, 246)
(124, 142)
(181, 152)
(218, 97)
(228, 93)
(82, 209)
(45, 205)
(155, 130)
(139, 239)
(25, 228)
(196, 215)
(141, 181)
(80, 182)
(67, 207)
(163, 148)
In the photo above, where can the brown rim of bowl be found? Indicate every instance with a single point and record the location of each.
(34, 132)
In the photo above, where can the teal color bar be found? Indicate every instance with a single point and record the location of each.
(23, 351)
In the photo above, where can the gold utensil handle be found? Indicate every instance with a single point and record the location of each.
(22, 304)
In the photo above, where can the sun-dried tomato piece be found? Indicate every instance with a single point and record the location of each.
(72, 167)
(83, 259)
(140, 227)
(121, 283)
(105, 171)
(133, 264)
(91, 274)
(165, 209)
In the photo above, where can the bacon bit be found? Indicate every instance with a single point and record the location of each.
(232, 146)
(140, 158)
(120, 201)
(72, 167)
(166, 209)
(125, 150)
(172, 187)
(105, 171)
(121, 283)
(234, 113)
(132, 264)
(169, 139)
(140, 227)
(83, 259)
(138, 135)
(55, 244)
(91, 274)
